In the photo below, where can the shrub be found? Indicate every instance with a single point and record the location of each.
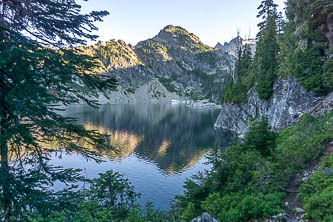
(189, 212)
(242, 207)
(246, 179)
(317, 193)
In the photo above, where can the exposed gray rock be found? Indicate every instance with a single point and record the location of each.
(299, 210)
(323, 106)
(205, 217)
(231, 47)
(282, 217)
(287, 104)
(235, 44)
(175, 57)
(149, 92)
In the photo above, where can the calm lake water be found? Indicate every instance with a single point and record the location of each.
(160, 145)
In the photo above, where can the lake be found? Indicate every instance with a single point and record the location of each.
(160, 145)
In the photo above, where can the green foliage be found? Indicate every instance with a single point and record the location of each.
(301, 144)
(110, 52)
(304, 46)
(214, 89)
(84, 212)
(194, 94)
(260, 137)
(309, 68)
(189, 212)
(204, 48)
(45, 68)
(40, 66)
(167, 83)
(110, 197)
(209, 84)
(239, 207)
(236, 177)
(328, 74)
(316, 193)
(297, 46)
(150, 46)
(265, 59)
(189, 204)
(243, 163)
(267, 10)
(288, 45)
(111, 191)
(236, 92)
(147, 214)
(247, 180)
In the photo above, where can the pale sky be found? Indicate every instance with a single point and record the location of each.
(211, 20)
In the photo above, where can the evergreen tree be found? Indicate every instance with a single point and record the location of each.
(322, 11)
(238, 65)
(305, 46)
(246, 62)
(267, 49)
(236, 89)
(288, 44)
(260, 137)
(267, 9)
(40, 66)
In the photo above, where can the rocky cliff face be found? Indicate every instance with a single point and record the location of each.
(287, 104)
(175, 64)
(235, 44)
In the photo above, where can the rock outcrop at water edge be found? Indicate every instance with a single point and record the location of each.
(287, 104)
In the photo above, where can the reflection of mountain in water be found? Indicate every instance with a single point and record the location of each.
(174, 137)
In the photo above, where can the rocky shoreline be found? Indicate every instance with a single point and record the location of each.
(285, 107)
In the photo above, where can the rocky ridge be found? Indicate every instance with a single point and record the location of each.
(235, 45)
(173, 65)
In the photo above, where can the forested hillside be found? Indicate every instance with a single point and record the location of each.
(299, 44)
(275, 172)
(290, 71)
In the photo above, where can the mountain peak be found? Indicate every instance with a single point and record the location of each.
(171, 42)
(219, 46)
(175, 29)
(170, 33)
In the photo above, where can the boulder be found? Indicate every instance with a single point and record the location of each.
(205, 217)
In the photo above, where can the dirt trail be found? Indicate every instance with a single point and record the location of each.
(291, 201)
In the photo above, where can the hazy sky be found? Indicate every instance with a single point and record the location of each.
(211, 20)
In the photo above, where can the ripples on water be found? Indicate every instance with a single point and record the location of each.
(160, 145)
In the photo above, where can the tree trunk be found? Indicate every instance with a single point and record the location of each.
(4, 169)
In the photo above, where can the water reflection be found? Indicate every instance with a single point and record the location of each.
(160, 146)
(172, 137)
(123, 142)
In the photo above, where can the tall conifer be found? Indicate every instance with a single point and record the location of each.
(40, 66)
(267, 49)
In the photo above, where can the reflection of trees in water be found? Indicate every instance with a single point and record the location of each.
(174, 137)
(124, 142)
